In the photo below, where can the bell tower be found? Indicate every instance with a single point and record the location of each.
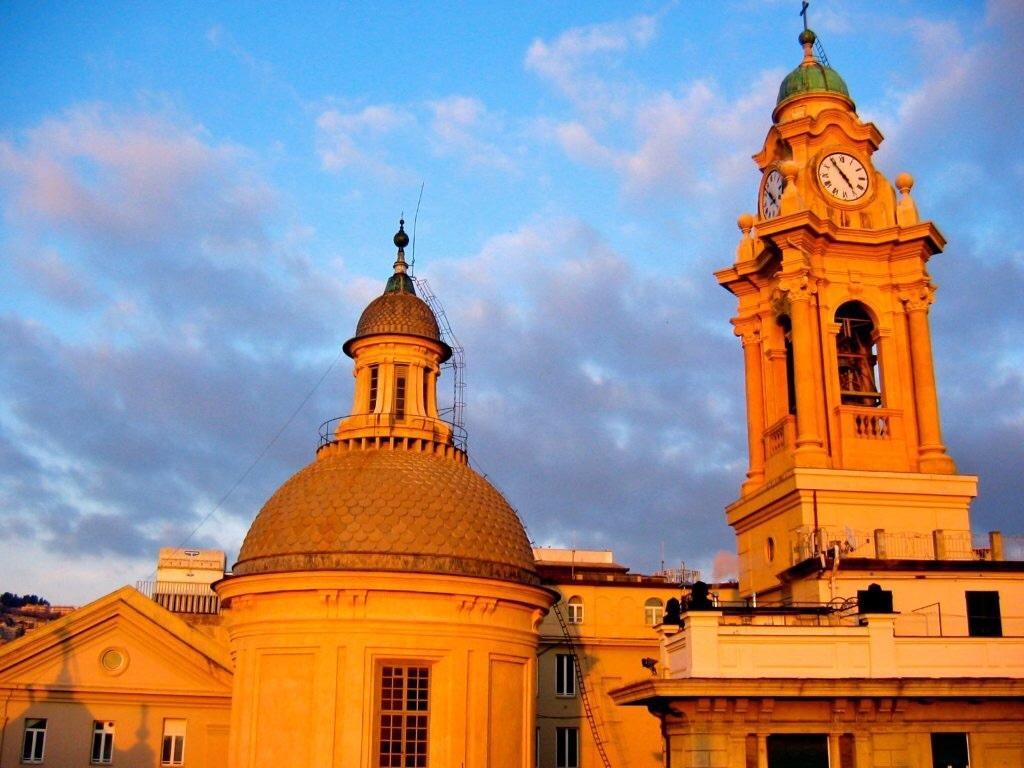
(833, 291)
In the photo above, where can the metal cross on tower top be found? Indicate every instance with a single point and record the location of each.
(803, 11)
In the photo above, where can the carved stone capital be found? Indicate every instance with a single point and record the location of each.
(917, 297)
(798, 287)
(748, 329)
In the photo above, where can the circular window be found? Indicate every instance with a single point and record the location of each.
(769, 549)
(114, 660)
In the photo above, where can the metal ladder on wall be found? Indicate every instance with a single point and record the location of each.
(581, 681)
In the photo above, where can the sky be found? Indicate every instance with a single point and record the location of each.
(197, 200)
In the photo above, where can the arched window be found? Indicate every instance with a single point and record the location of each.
(857, 356)
(654, 609)
(574, 613)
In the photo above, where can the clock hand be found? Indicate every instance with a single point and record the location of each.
(845, 177)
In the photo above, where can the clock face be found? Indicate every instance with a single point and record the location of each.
(843, 176)
(771, 195)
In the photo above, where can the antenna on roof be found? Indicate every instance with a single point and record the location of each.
(415, 218)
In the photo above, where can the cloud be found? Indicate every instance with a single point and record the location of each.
(569, 61)
(693, 144)
(458, 127)
(190, 318)
(131, 180)
(600, 399)
(353, 139)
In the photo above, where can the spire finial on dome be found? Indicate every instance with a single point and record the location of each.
(807, 38)
(401, 240)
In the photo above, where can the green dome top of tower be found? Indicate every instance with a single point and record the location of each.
(811, 76)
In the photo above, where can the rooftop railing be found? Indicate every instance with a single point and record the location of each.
(383, 423)
(181, 596)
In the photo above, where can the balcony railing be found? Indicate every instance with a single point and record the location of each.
(807, 542)
(181, 596)
(381, 425)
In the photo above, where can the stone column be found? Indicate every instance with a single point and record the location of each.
(808, 437)
(749, 332)
(931, 452)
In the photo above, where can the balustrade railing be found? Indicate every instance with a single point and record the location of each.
(181, 596)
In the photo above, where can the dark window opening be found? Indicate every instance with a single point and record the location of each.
(857, 357)
(983, 615)
(34, 741)
(949, 750)
(567, 747)
(787, 335)
(565, 674)
(374, 381)
(400, 393)
(797, 750)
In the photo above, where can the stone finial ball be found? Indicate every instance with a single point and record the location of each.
(745, 221)
(401, 239)
(904, 182)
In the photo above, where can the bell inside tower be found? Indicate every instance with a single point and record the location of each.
(857, 356)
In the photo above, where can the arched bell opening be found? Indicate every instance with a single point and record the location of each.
(857, 356)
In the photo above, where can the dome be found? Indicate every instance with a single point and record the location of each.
(814, 78)
(398, 313)
(388, 509)
(811, 76)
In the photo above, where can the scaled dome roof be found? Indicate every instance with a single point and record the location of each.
(388, 509)
(398, 312)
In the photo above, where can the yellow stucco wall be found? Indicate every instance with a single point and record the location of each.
(309, 647)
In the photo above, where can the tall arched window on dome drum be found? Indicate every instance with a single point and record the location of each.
(574, 610)
(787, 336)
(857, 356)
(401, 379)
(374, 386)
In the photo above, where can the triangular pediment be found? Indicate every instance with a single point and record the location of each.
(121, 642)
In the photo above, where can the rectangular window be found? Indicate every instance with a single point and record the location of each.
(35, 740)
(565, 674)
(797, 750)
(402, 722)
(172, 751)
(374, 383)
(402, 373)
(983, 616)
(950, 750)
(102, 742)
(567, 747)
